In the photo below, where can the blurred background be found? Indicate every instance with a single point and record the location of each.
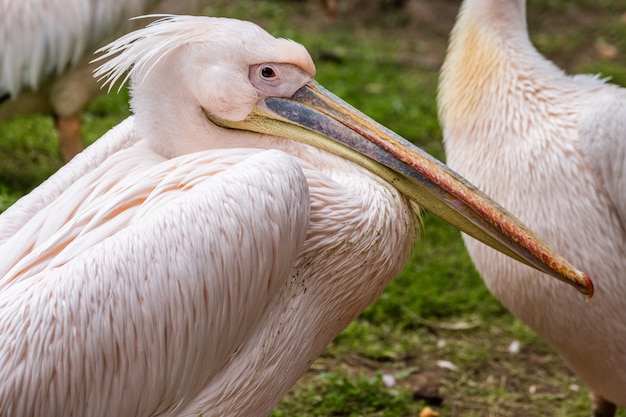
(436, 338)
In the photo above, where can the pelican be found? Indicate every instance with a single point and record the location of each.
(47, 47)
(199, 256)
(552, 148)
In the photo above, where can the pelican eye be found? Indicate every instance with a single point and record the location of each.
(268, 73)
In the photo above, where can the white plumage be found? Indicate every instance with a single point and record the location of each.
(152, 286)
(551, 147)
(180, 268)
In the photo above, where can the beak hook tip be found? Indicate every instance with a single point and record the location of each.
(588, 286)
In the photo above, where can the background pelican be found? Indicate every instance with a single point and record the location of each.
(179, 267)
(47, 47)
(551, 147)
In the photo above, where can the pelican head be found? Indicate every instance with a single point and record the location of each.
(277, 96)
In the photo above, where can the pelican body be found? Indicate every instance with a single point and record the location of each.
(199, 256)
(551, 147)
(47, 48)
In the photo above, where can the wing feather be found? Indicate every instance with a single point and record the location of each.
(602, 132)
(153, 311)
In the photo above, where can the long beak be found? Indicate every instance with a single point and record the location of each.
(315, 116)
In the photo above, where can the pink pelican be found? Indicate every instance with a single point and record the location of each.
(47, 47)
(196, 259)
(552, 148)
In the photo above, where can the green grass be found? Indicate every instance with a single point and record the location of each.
(437, 308)
(337, 393)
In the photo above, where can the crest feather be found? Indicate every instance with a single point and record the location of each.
(139, 51)
(133, 51)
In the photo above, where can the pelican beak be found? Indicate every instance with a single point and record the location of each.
(315, 116)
